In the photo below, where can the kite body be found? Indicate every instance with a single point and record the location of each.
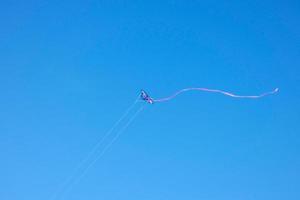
(145, 97)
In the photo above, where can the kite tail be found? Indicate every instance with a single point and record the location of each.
(217, 91)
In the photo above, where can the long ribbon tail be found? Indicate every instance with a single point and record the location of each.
(217, 91)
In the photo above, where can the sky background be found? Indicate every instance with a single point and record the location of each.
(69, 69)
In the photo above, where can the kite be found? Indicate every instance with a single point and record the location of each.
(112, 135)
(145, 97)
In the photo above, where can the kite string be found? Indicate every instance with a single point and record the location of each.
(94, 149)
(216, 91)
(85, 171)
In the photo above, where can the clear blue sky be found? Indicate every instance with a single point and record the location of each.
(68, 69)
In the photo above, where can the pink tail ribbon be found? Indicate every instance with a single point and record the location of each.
(216, 91)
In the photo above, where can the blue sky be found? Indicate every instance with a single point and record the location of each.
(68, 69)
